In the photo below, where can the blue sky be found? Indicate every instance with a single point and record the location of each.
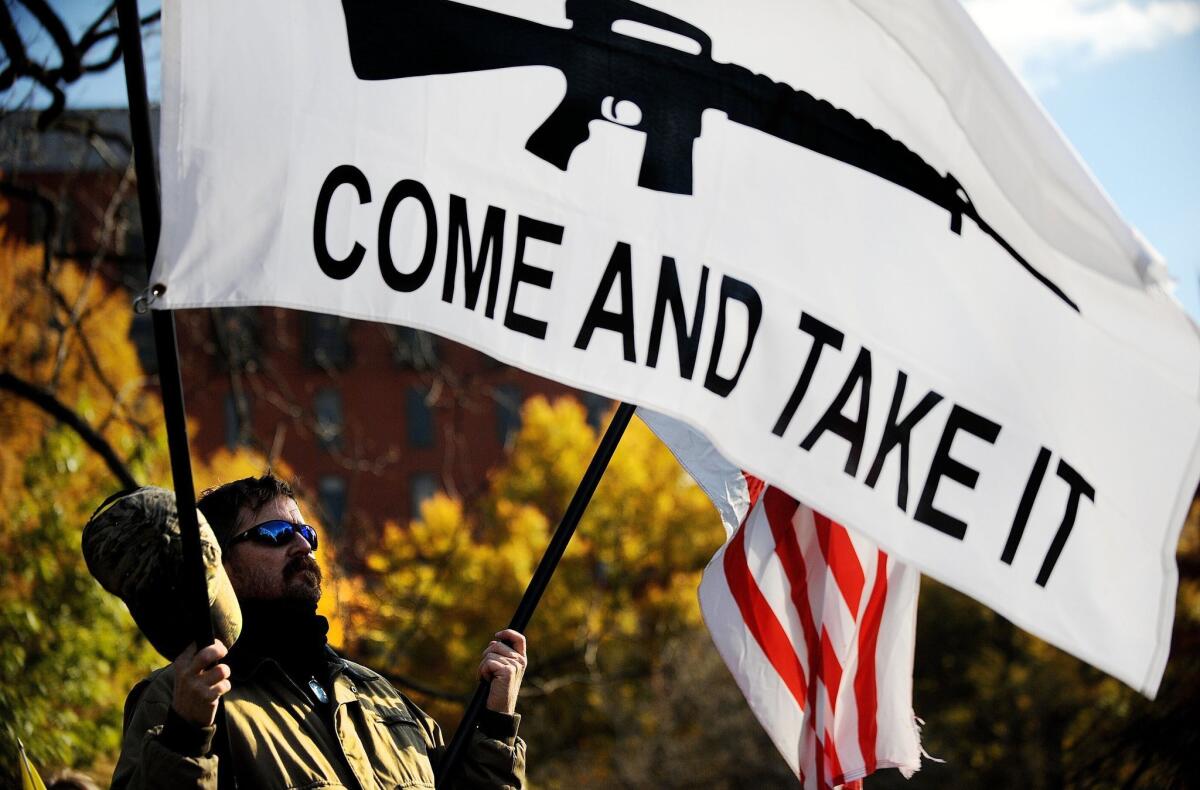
(1122, 80)
(1120, 77)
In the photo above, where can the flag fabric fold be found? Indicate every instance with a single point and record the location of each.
(816, 624)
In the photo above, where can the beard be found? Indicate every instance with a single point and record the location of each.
(302, 579)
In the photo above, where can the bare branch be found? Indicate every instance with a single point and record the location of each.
(89, 36)
(67, 416)
(87, 128)
(95, 36)
(69, 71)
(403, 681)
(73, 55)
(94, 363)
(18, 59)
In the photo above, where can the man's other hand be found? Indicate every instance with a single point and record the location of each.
(200, 682)
(504, 666)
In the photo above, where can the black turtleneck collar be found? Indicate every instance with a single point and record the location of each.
(288, 631)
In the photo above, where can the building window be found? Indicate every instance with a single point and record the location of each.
(331, 492)
(419, 417)
(237, 331)
(421, 487)
(327, 414)
(413, 349)
(239, 427)
(508, 412)
(327, 341)
(597, 407)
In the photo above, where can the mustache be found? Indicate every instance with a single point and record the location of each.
(304, 562)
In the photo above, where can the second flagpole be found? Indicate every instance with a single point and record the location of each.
(541, 578)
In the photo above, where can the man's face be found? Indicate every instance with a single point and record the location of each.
(269, 572)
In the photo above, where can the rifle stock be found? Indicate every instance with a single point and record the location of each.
(421, 38)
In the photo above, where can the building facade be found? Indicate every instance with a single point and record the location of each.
(373, 418)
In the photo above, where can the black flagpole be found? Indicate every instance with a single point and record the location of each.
(194, 585)
(541, 578)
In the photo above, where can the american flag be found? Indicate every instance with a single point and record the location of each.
(816, 624)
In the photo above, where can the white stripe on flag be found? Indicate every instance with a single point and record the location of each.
(815, 623)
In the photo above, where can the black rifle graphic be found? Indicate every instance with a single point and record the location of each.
(395, 39)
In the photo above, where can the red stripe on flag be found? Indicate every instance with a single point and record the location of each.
(865, 691)
(842, 560)
(831, 670)
(781, 509)
(831, 757)
(754, 488)
(760, 619)
(818, 747)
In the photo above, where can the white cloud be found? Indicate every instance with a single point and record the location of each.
(1039, 37)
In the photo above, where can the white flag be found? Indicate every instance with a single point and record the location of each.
(835, 235)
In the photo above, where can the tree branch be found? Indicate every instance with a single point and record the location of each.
(72, 55)
(89, 353)
(59, 411)
(408, 683)
(10, 40)
(69, 70)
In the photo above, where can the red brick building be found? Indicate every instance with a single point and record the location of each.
(374, 418)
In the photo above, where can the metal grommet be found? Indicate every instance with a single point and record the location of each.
(146, 299)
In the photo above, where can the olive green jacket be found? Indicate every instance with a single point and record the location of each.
(279, 738)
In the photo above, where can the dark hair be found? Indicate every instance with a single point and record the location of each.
(222, 504)
(66, 779)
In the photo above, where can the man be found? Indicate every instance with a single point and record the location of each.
(295, 714)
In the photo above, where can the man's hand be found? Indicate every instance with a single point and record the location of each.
(200, 682)
(504, 666)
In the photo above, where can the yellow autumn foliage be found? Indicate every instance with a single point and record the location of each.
(71, 652)
(437, 589)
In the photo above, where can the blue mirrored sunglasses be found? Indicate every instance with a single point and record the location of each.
(277, 533)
